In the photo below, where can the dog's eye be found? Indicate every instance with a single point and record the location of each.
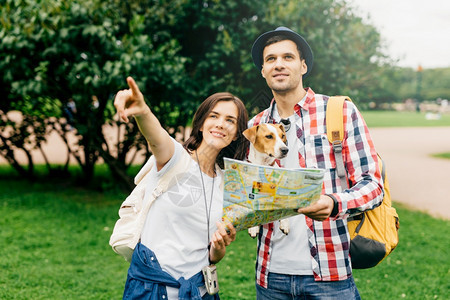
(269, 137)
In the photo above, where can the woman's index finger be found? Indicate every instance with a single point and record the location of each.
(133, 86)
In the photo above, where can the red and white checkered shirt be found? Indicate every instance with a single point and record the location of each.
(329, 240)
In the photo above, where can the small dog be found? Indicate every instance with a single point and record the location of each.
(267, 143)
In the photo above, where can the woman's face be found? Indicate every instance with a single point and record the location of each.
(220, 126)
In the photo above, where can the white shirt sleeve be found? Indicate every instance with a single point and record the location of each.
(177, 154)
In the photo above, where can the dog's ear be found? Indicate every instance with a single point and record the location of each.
(250, 134)
(284, 133)
(281, 127)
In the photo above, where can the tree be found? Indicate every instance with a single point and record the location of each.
(79, 50)
(348, 53)
(179, 52)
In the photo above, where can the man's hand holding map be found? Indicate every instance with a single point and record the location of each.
(255, 195)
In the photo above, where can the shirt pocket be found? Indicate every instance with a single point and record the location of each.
(320, 152)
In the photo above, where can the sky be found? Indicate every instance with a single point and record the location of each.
(416, 32)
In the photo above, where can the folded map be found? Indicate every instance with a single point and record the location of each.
(256, 195)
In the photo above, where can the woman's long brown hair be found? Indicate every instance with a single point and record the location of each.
(237, 149)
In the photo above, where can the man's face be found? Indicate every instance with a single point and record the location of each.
(282, 67)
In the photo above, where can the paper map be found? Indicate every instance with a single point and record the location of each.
(255, 195)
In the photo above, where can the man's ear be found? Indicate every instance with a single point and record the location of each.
(262, 72)
(250, 134)
(304, 67)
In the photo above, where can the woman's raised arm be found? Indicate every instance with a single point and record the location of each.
(130, 102)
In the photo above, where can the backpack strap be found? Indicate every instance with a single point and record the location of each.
(180, 167)
(335, 133)
(144, 170)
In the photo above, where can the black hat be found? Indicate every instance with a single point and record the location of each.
(258, 46)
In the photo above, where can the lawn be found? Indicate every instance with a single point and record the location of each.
(402, 119)
(55, 246)
(54, 239)
(444, 155)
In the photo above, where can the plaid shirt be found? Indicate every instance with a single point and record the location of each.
(329, 240)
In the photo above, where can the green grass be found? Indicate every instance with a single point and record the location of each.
(417, 269)
(402, 119)
(55, 246)
(55, 243)
(54, 239)
(445, 155)
(419, 266)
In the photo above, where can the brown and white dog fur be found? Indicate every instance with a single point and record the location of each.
(267, 143)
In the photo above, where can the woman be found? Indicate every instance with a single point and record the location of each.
(182, 233)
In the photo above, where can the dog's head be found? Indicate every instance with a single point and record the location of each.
(269, 140)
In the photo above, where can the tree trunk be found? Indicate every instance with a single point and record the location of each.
(118, 171)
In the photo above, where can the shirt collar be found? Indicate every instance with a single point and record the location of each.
(304, 103)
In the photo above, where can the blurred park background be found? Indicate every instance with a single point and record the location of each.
(66, 163)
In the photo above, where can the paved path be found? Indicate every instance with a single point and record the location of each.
(416, 179)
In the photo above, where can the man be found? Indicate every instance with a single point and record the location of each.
(313, 260)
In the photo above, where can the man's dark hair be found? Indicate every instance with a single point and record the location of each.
(279, 38)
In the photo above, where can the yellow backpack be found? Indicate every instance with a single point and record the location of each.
(374, 233)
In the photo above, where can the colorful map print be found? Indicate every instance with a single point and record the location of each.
(255, 195)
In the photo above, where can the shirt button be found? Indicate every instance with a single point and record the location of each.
(164, 296)
(152, 258)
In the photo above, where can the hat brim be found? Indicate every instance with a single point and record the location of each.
(259, 45)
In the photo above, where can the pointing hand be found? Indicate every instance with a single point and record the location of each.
(130, 102)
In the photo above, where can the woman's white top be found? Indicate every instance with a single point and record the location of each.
(176, 225)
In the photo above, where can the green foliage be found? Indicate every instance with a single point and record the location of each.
(398, 84)
(433, 84)
(179, 52)
(347, 52)
(55, 246)
(53, 50)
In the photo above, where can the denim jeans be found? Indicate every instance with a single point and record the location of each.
(147, 281)
(305, 287)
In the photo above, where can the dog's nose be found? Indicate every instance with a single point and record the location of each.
(284, 150)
